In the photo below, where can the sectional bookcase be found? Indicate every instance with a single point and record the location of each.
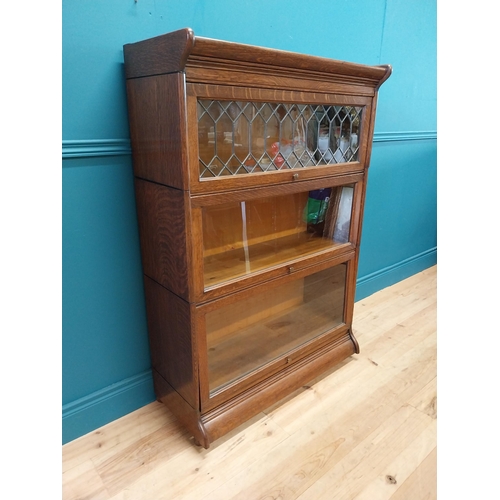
(250, 170)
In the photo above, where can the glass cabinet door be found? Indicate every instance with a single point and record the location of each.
(270, 323)
(241, 238)
(243, 137)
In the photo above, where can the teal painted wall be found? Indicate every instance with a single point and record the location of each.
(106, 368)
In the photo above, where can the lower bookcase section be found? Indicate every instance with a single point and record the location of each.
(247, 334)
(211, 425)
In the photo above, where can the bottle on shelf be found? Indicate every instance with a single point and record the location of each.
(324, 144)
(315, 210)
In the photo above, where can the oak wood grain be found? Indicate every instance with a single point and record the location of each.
(161, 213)
(158, 129)
(270, 78)
(235, 92)
(171, 343)
(158, 55)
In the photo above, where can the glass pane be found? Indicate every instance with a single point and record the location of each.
(247, 334)
(240, 238)
(236, 137)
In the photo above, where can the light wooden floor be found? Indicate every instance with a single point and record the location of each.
(366, 430)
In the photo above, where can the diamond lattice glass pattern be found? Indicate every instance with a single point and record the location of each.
(237, 137)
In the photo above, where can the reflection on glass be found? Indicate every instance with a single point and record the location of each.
(241, 238)
(247, 334)
(240, 137)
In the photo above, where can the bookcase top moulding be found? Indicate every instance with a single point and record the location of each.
(182, 51)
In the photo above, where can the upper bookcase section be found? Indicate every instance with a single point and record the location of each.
(182, 51)
(208, 116)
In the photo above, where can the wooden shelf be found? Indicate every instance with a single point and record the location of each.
(236, 263)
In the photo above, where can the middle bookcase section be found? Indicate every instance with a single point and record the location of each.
(251, 236)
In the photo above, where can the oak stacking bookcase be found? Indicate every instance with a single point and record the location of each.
(250, 169)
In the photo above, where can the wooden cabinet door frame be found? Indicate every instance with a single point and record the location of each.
(203, 293)
(231, 389)
(242, 181)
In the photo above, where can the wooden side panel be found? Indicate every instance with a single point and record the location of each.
(172, 346)
(162, 230)
(158, 128)
(187, 416)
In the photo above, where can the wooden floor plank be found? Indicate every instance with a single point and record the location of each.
(203, 471)
(375, 315)
(422, 483)
(83, 482)
(118, 469)
(368, 460)
(116, 435)
(426, 399)
(393, 474)
(339, 436)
